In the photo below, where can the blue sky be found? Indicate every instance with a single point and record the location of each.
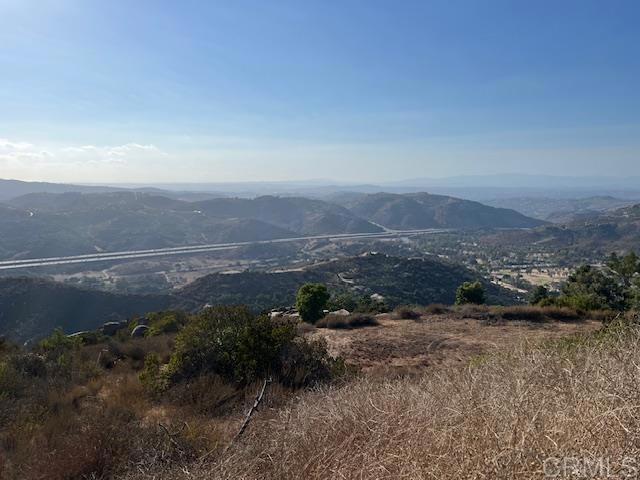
(150, 91)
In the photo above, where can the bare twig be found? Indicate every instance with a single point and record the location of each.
(253, 408)
(174, 434)
(247, 418)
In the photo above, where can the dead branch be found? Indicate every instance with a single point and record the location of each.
(253, 408)
(247, 418)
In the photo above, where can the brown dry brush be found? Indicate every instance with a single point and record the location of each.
(355, 320)
(501, 417)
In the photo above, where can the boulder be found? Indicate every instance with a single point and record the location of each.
(139, 331)
(111, 328)
(376, 297)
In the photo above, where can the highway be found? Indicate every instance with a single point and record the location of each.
(193, 249)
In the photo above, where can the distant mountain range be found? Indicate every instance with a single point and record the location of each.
(10, 189)
(561, 210)
(525, 181)
(53, 224)
(472, 187)
(31, 308)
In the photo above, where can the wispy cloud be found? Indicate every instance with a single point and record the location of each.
(110, 154)
(15, 154)
(20, 153)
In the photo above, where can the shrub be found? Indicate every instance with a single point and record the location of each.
(150, 377)
(584, 302)
(206, 394)
(371, 306)
(344, 301)
(28, 364)
(308, 362)
(539, 294)
(166, 322)
(531, 314)
(311, 300)
(11, 381)
(230, 342)
(563, 314)
(406, 313)
(58, 344)
(356, 320)
(436, 309)
(590, 289)
(58, 350)
(470, 310)
(470, 292)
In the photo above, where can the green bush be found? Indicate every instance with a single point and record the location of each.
(238, 347)
(10, 381)
(357, 304)
(344, 301)
(311, 300)
(307, 362)
(150, 377)
(590, 289)
(230, 342)
(539, 294)
(165, 322)
(58, 349)
(470, 292)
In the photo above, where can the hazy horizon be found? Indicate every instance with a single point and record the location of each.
(148, 92)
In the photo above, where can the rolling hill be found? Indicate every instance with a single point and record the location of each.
(400, 280)
(14, 188)
(10, 189)
(590, 238)
(424, 210)
(31, 308)
(40, 225)
(561, 210)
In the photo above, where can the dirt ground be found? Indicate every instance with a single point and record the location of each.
(407, 346)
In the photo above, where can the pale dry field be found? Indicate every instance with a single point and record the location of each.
(408, 346)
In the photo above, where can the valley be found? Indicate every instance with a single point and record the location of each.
(290, 241)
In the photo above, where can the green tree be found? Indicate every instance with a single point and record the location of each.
(343, 300)
(470, 292)
(311, 300)
(590, 289)
(626, 267)
(539, 294)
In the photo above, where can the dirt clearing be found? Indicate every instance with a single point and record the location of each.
(407, 346)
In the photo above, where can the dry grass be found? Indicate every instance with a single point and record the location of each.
(398, 346)
(356, 320)
(499, 418)
(490, 312)
(529, 313)
(405, 312)
(436, 309)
